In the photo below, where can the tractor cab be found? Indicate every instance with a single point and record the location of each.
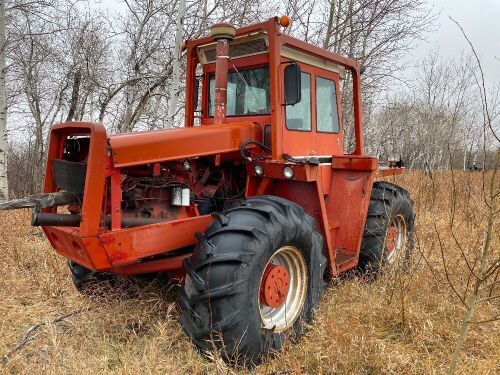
(288, 87)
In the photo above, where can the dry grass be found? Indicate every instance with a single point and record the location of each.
(403, 325)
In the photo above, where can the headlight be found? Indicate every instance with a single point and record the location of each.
(259, 171)
(288, 172)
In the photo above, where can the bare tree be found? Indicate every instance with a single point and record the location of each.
(174, 89)
(148, 58)
(375, 33)
(4, 186)
(485, 268)
(50, 61)
(438, 109)
(36, 65)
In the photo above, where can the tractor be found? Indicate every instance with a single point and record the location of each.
(253, 205)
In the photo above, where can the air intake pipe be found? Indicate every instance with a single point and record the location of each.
(222, 33)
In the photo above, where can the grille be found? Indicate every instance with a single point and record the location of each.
(69, 176)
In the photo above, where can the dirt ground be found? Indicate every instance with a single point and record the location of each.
(398, 324)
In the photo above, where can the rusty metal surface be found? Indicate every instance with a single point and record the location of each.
(222, 53)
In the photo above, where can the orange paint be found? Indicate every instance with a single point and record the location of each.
(274, 286)
(335, 190)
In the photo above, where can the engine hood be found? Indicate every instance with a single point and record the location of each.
(163, 145)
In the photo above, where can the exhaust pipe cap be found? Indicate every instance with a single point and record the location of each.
(222, 31)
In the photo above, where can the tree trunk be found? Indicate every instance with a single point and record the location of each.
(329, 27)
(74, 96)
(174, 90)
(463, 333)
(125, 126)
(4, 186)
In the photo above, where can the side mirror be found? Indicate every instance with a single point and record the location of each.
(292, 84)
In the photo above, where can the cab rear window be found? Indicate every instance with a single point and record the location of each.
(327, 116)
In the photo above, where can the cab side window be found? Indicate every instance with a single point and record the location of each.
(298, 116)
(327, 116)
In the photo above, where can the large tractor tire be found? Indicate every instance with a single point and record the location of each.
(80, 275)
(388, 235)
(253, 280)
(88, 282)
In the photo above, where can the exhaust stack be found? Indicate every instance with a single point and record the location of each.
(222, 33)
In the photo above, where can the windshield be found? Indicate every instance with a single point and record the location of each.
(247, 93)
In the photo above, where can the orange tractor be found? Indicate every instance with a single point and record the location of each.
(253, 203)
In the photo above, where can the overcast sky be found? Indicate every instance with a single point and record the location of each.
(479, 18)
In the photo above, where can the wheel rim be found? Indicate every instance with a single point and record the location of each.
(395, 238)
(280, 304)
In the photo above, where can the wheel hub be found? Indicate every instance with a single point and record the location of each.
(283, 289)
(274, 285)
(391, 237)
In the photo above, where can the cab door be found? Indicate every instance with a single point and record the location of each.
(312, 126)
(299, 120)
(328, 132)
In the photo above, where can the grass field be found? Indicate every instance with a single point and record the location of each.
(398, 324)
